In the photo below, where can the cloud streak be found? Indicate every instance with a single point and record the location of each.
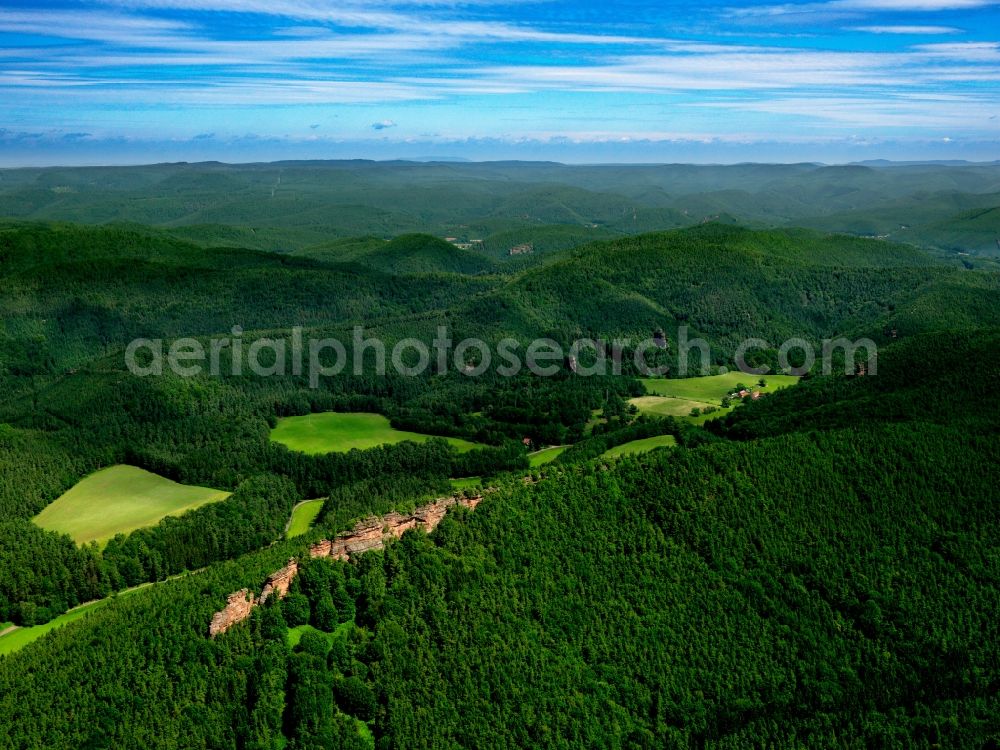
(912, 30)
(500, 69)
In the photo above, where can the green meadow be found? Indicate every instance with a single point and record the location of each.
(21, 637)
(667, 406)
(712, 388)
(295, 633)
(303, 516)
(339, 432)
(641, 446)
(676, 398)
(544, 456)
(120, 499)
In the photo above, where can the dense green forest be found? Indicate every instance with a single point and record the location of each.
(817, 568)
(822, 587)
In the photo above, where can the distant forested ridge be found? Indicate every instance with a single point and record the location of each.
(301, 206)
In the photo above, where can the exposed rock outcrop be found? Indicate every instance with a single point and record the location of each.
(238, 608)
(366, 535)
(371, 533)
(280, 581)
(241, 604)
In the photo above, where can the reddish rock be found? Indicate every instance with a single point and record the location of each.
(279, 582)
(238, 608)
(371, 533)
(366, 535)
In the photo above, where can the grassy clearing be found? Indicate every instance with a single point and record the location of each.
(545, 455)
(21, 637)
(666, 406)
(339, 432)
(120, 499)
(303, 516)
(641, 446)
(295, 634)
(676, 398)
(711, 389)
(18, 639)
(465, 483)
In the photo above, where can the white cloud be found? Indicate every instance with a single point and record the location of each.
(908, 29)
(912, 5)
(870, 112)
(833, 10)
(368, 15)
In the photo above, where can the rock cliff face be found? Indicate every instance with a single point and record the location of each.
(279, 582)
(366, 535)
(238, 608)
(372, 532)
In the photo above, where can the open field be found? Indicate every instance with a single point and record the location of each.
(339, 432)
(667, 406)
(545, 455)
(641, 446)
(120, 499)
(303, 516)
(711, 389)
(21, 637)
(676, 398)
(17, 638)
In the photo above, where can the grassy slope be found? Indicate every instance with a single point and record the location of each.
(21, 637)
(302, 518)
(677, 397)
(641, 446)
(545, 455)
(120, 499)
(337, 432)
(713, 388)
(667, 406)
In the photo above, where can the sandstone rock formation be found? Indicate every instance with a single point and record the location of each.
(371, 533)
(238, 608)
(280, 581)
(366, 535)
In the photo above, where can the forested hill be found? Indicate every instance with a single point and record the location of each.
(817, 569)
(77, 292)
(728, 283)
(819, 588)
(945, 378)
(422, 253)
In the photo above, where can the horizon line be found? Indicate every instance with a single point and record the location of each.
(459, 161)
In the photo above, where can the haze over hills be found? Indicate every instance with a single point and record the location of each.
(285, 206)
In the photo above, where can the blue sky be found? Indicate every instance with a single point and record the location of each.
(131, 81)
